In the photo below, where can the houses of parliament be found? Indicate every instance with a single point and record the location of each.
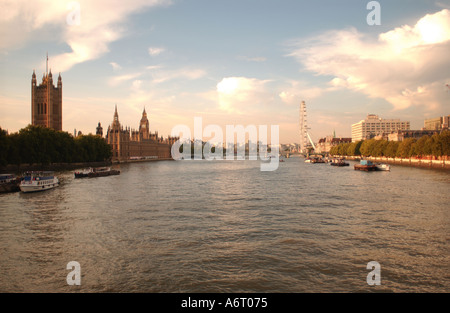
(126, 143)
(130, 144)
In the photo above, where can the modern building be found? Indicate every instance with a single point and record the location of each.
(128, 144)
(46, 102)
(373, 126)
(438, 123)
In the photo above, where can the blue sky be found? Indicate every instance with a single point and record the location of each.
(230, 62)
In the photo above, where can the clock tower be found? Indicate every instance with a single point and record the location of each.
(144, 126)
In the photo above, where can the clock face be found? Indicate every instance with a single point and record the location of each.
(144, 126)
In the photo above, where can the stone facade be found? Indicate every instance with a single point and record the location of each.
(128, 144)
(46, 102)
(325, 144)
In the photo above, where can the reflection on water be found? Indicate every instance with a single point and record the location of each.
(228, 227)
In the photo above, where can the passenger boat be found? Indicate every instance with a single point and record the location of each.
(38, 181)
(339, 162)
(96, 172)
(9, 183)
(383, 167)
(365, 165)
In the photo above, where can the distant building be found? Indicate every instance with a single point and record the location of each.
(46, 102)
(373, 126)
(99, 130)
(325, 144)
(401, 135)
(438, 123)
(128, 144)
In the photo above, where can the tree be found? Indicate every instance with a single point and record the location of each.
(444, 138)
(391, 149)
(406, 147)
(41, 145)
(4, 147)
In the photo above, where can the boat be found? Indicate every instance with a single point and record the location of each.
(317, 160)
(383, 167)
(96, 172)
(103, 171)
(365, 165)
(38, 181)
(83, 173)
(9, 183)
(339, 162)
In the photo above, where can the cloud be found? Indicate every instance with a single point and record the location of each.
(252, 59)
(100, 23)
(115, 66)
(298, 91)
(236, 94)
(183, 73)
(407, 66)
(117, 80)
(153, 51)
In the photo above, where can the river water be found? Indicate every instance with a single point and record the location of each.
(225, 226)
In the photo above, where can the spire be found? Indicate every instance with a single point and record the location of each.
(116, 115)
(46, 65)
(144, 114)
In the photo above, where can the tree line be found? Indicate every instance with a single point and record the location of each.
(437, 145)
(41, 145)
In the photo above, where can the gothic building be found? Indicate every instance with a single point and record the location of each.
(46, 102)
(128, 144)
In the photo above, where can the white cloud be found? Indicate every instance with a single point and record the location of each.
(117, 80)
(407, 66)
(183, 73)
(101, 22)
(155, 51)
(253, 59)
(298, 91)
(115, 66)
(236, 94)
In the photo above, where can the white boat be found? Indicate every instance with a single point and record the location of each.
(38, 181)
(383, 167)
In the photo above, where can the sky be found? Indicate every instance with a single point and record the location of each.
(233, 62)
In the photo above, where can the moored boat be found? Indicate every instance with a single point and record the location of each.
(96, 172)
(317, 160)
(103, 171)
(365, 165)
(38, 181)
(339, 162)
(83, 173)
(9, 183)
(383, 167)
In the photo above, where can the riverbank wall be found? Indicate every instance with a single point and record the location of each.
(425, 163)
(56, 167)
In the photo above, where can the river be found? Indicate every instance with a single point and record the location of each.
(225, 226)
